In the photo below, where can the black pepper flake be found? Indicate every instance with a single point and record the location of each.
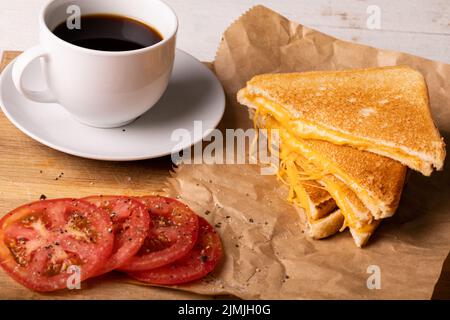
(207, 212)
(251, 220)
(287, 277)
(40, 171)
(217, 225)
(60, 176)
(123, 130)
(227, 217)
(203, 258)
(237, 246)
(42, 197)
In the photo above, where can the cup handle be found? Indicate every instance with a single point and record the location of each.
(18, 70)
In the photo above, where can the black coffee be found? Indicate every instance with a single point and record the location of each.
(109, 33)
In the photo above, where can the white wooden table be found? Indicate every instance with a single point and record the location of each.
(421, 27)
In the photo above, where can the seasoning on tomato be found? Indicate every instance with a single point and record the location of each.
(199, 262)
(173, 233)
(130, 221)
(41, 241)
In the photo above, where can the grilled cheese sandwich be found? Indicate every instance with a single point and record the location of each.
(381, 110)
(352, 132)
(298, 169)
(376, 180)
(297, 172)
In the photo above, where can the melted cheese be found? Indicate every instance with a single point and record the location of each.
(297, 193)
(314, 131)
(295, 170)
(269, 108)
(298, 169)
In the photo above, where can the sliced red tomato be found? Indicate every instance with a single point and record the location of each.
(130, 227)
(40, 241)
(200, 261)
(172, 234)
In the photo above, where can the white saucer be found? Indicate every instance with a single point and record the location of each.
(194, 94)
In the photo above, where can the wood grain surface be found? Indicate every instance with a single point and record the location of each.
(420, 27)
(29, 169)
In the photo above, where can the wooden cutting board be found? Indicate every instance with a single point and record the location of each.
(29, 169)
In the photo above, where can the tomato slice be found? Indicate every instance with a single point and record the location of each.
(172, 234)
(200, 261)
(41, 240)
(130, 227)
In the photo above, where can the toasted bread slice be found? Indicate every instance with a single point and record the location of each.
(378, 181)
(352, 215)
(361, 236)
(381, 110)
(326, 226)
(322, 216)
(319, 202)
(294, 170)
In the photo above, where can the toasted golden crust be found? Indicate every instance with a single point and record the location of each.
(378, 181)
(344, 194)
(317, 194)
(326, 226)
(346, 199)
(324, 208)
(362, 237)
(381, 107)
(382, 177)
(320, 199)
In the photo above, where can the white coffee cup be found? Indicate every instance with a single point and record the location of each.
(101, 88)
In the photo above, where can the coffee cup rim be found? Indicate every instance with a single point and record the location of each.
(108, 53)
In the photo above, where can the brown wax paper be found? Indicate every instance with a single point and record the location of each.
(267, 252)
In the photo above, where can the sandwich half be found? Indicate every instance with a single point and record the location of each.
(297, 172)
(376, 180)
(381, 110)
(323, 217)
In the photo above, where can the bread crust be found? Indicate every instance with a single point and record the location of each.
(361, 171)
(385, 107)
(326, 226)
